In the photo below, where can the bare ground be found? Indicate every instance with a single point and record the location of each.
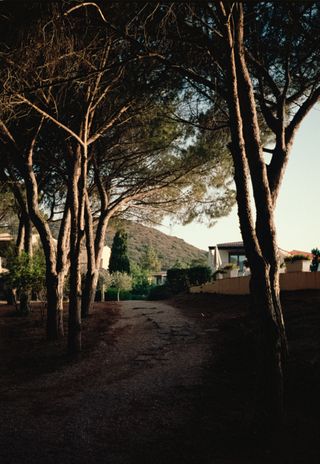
(157, 383)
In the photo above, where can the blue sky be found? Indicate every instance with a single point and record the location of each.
(297, 212)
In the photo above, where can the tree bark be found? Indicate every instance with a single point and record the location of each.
(74, 323)
(265, 226)
(95, 244)
(54, 307)
(55, 327)
(25, 295)
(259, 241)
(92, 271)
(20, 236)
(77, 181)
(94, 252)
(23, 243)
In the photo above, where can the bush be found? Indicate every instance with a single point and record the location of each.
(293, 258)
(141, 289)
(218, 271)
(160, 292)
(178, 279)
(112, 294)
(199, 275)
(230, 266)
(315, 259)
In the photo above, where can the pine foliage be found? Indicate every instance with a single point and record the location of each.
(119, 261)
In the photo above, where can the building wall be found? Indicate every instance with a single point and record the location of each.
(224, 254)
(104, 263)
(105, 257)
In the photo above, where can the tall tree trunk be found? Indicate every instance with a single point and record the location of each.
(54, 309)
(20, 236)
(89, 291)
(265, 226)
(74, 323)
(92, 271)
(76, 191)
(94, 252)
(269, 407)
(54, 306)
(25, 294)
(260, 247)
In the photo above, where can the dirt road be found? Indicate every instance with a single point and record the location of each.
(127, 402)
(155, 385)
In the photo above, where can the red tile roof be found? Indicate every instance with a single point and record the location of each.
(299, 252)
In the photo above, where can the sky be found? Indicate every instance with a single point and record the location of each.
(297, 212)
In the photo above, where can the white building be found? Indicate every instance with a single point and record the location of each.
(104, 263)
(234, 252)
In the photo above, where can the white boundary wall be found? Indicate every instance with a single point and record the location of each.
(240, 285)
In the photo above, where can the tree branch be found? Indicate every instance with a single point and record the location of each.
(51, 118)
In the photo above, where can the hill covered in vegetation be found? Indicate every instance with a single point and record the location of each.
(169, 249)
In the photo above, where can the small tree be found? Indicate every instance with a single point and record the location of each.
(121, 281)
(119, 261)
(26, 274)
(140, 279)
(104, 282)
(150, 260)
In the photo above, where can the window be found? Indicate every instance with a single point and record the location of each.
(238, 259)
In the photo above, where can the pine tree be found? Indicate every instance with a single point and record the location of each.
(119, 260)
(150, 260)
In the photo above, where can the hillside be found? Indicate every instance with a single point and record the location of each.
(169, 249)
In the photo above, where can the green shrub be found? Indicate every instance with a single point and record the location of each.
(178, 280)
(141, 289)
(198, 275)
(293, 258)
(315, 259)
(160, 292)
(136, 297)
(112, 294)
(230, 266)
(218, 271)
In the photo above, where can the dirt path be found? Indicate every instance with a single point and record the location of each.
(155, 385)
(125, 403)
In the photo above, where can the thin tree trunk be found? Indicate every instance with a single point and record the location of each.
(76, 192)
(92, 272)
(25, 295)
(94, 249)
(20, 236)
(54, 307)
(24, 303)
(74, 323)
(89, 292)
(28, 235)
